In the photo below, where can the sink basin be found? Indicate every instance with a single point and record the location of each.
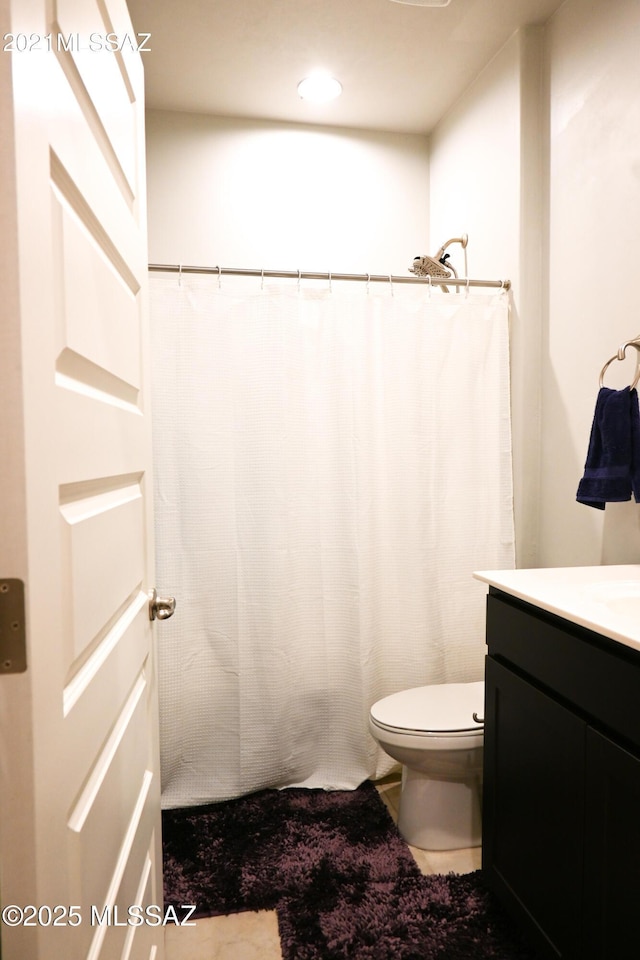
(621, 597)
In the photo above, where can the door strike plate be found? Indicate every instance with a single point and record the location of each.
(13, 634)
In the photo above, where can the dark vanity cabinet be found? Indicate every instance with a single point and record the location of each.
(561, 806)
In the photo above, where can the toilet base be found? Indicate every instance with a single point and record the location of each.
(440, 814)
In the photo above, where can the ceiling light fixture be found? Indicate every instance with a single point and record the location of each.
(319, 87)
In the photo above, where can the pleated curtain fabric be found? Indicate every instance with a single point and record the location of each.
(331, 465)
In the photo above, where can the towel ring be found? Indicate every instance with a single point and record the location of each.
(620, 355)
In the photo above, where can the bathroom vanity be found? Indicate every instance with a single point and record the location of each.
(561, 804)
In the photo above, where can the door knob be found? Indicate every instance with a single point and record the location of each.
(161, 608)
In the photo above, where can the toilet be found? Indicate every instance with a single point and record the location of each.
(431, 731)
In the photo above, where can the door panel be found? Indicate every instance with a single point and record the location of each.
(97, 528)
(106, 80)
(79, 753)
(612, 850)
(98, 309)
(89, 694)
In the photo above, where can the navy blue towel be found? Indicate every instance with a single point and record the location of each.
(612, 469)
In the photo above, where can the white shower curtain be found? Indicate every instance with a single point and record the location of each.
(332, 462)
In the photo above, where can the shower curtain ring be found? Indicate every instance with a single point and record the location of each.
(368, 281)
(180, 275)
(219, 277)
(391, 284)
(330, 289)
(299, 274)
(466, 293)
(262, 279)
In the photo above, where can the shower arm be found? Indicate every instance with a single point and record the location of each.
(463, 241)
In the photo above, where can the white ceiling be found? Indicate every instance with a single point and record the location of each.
(401, 66)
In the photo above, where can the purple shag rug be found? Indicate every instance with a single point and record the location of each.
(342, 879)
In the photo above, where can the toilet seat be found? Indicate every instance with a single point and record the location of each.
(438, 710)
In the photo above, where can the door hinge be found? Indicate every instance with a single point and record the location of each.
(13, 634)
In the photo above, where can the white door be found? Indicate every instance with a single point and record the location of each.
(79, 794)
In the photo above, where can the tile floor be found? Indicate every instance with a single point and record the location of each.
(254, 936)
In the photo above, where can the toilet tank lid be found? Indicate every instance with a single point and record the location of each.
(436, 708)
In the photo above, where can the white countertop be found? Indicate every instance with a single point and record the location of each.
(604, 599)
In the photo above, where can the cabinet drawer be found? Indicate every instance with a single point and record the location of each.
(595, 675)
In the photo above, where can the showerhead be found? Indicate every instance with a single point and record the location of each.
(437, 266)
(428, 267)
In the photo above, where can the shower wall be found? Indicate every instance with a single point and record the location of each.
(477, 173)
(551, 189)
(256, 194)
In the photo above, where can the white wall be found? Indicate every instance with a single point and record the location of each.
(253, 194)
(594, 245)
(541, 158)
(468, 186)
(486, 173)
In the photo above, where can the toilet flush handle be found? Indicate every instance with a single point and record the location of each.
(477, 718)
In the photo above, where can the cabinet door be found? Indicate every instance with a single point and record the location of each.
(533, 813)
(612, 851)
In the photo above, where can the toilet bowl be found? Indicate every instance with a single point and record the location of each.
(431, 732)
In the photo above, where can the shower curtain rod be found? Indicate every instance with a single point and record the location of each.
(314, 275)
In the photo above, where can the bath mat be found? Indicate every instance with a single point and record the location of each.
(342, 879)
